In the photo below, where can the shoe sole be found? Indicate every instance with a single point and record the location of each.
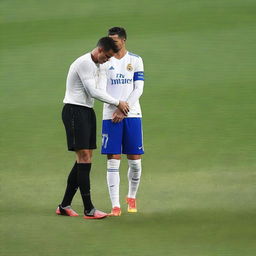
(64, 214)
(132, 210)
(95, 218)
(114, 215)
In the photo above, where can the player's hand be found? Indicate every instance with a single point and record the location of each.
(118, 116)
(124, 107)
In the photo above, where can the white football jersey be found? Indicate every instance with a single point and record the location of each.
(125, 81)
(82, 80)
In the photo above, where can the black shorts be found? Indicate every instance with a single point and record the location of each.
(80, 125)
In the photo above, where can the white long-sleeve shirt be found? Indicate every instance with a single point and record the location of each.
(81, 84)
(125, 81)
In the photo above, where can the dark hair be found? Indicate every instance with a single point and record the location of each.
(107, 43)
(117, 31)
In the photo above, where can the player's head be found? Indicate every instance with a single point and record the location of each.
(119, 35)
(107, 48)
(120, 32)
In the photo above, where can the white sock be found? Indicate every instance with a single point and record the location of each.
(113, 180)
(134, 173)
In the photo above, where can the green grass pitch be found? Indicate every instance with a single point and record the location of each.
(197, 195)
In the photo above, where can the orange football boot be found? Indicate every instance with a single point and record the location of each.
(116, 211)
(67, 211)
(132, 208)
(95, 214)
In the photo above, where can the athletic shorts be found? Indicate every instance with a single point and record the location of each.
(122, 138)
(80, 125)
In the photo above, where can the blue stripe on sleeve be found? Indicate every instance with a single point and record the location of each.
(138, 76)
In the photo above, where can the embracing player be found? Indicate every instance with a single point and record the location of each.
(123, 134)
(80, 123)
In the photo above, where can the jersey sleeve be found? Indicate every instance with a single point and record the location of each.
(139, 70)
(138, 81)
(102, 82)
(86, 74)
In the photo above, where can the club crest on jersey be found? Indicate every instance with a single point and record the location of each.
(129, 67)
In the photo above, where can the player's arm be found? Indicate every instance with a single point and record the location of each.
(90, 87)
(102, 82)
(101, 95)
(137, 91)
(118, 116)
(138, 81)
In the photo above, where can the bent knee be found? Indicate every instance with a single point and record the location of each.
(84, 156)
(111, 156)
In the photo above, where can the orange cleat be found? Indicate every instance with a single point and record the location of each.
(131, 205)
(67, 211)
(116, 211)
(95, 214)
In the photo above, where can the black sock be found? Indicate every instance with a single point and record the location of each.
(71, 188)
(83, 179)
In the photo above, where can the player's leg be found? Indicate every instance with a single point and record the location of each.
(65, 207)
(84, 163)
(72, 182)
(113, 182)
(134, 174)
(68, 115)
(89, 130)
(80, 124)
(133, 147)
(111, 145)
(83, 177)
(71, 188)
